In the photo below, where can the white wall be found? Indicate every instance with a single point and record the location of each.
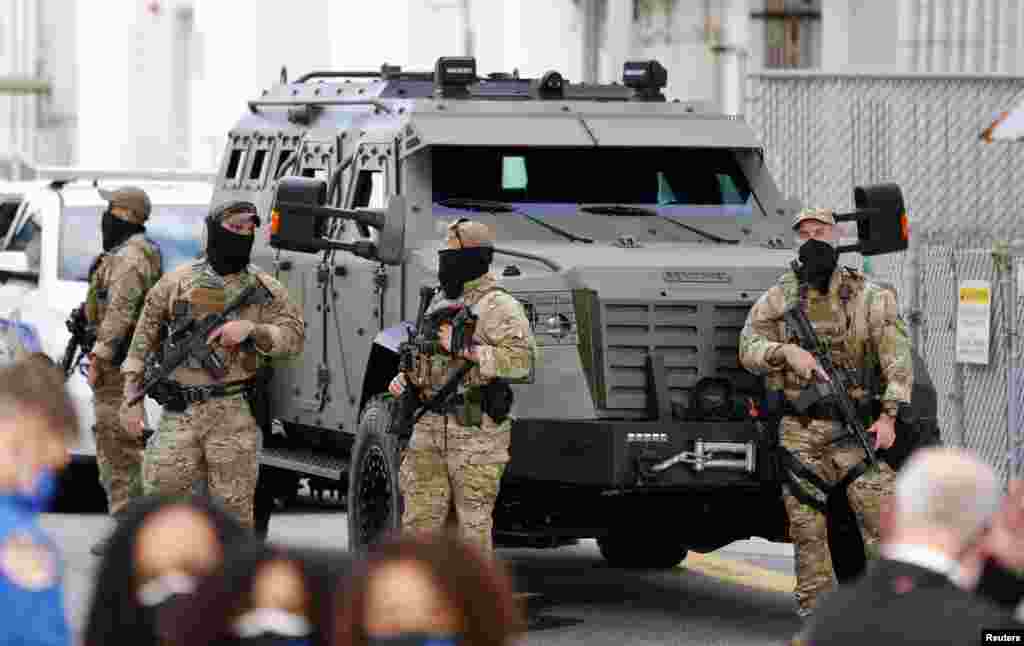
(677, 41)
(244, 44)
(125, 74)
(861, 35)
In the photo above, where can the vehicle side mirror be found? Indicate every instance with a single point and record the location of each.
(881, 216)
(298, 222)
(292, 227)
(15, 265)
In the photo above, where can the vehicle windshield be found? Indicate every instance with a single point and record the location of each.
(572, 188)
(177, 229)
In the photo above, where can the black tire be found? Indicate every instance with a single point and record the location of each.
(635, 553)
(374, 499)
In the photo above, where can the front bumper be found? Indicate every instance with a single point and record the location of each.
(624, 454)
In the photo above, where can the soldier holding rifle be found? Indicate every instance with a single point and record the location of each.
(858, 330)
(119, 278)
(456, 457)
(206, 331)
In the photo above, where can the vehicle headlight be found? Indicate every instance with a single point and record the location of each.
(552, 316)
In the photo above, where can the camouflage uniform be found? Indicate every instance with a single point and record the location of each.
(858, 320)
(117, 287)
(218, 439)
(458, 459)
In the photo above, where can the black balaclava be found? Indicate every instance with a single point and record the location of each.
(228, 252)
(116, 230)
(819, 260)
(456, 267)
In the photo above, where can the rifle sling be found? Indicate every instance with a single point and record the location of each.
(796, 469)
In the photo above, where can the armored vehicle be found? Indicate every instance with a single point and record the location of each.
(636, 231)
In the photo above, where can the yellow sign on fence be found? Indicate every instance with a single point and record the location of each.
(972, 322)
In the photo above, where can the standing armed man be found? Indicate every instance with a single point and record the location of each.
(118, 282)
(858, 323)
(208, 430)
(457, 459)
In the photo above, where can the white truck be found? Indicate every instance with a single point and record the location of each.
(52, 236)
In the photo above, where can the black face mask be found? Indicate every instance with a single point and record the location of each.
(819, 260)
(227, 251)
(115, 230)
(414, 639)
(456, 267)
(159, 617)
(1000, 585)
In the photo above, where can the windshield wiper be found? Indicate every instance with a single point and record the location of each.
(618, 209)
(488, 206)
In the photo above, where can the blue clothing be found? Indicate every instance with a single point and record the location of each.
(31, 595)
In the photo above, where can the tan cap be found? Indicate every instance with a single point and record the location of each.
(129, 197)
(819, 214)
(466, 234)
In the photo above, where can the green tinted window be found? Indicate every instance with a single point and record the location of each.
(513, 174)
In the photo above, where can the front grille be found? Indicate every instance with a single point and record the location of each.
(695, 340)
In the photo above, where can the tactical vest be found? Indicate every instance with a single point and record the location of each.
(97, 300)
(430, 371)
(207, 293)
(833, 322)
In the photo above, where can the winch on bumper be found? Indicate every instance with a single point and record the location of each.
(641, 454)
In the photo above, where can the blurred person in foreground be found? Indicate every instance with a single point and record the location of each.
(997, 572)
(945, 502)
(427, 590)
(37, 425)
(263, 595)
(158, 554)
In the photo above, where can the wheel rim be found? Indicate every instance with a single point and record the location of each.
(375, 496)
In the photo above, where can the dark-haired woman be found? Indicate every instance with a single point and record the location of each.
(157, 556)
(427, 590)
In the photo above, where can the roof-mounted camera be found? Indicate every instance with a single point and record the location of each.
(453, 75)
(646, 78)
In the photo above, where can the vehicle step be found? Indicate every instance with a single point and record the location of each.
(305, 461)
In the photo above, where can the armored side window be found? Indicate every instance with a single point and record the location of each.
(370, 190)
(256, 171)
(370, 193)
(235, 164)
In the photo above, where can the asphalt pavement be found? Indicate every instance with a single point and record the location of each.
(740, 595)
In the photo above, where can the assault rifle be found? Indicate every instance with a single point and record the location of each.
(836, 390)
(190, 340)
(424, 338)
(83, 338)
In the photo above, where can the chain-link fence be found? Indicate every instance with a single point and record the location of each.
(825, 134)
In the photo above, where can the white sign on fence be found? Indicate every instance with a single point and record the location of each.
(973, 320)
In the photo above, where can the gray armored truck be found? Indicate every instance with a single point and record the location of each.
(636, 231)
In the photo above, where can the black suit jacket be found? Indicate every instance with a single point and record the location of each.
(899, 603)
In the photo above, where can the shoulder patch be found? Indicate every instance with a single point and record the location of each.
(26, 563)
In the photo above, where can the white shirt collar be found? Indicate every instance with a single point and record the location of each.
(924, 557)
(264, 620)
